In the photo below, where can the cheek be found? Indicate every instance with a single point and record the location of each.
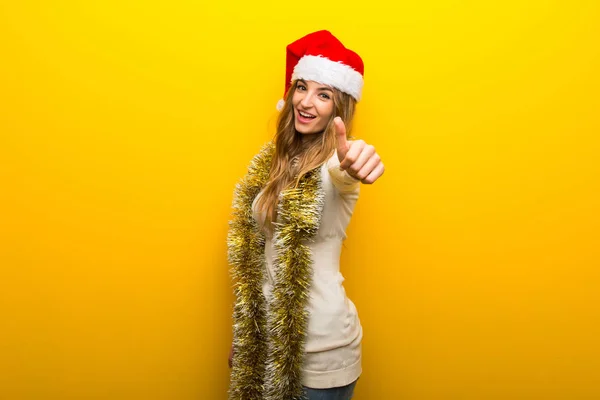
(326, 109)
(295, 98)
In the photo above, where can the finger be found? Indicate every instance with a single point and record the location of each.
(368, 167)
(353, 152)
(341, 140)
(365, 155)
(375, 174)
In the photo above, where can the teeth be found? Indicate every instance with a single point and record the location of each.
(306, 115)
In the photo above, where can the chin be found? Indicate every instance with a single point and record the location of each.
(305, 130)
(301, 129)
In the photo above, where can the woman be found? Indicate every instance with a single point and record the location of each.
(296, 334)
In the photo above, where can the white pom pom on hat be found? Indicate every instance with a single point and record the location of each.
(321, 57)
(280, 104)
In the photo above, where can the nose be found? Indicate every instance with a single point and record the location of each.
(306, 101)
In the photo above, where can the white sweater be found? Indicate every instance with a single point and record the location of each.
(333, 344)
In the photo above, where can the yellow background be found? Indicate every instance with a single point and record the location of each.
(474, 261)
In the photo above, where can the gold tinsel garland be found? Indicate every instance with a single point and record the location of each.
(269, 349)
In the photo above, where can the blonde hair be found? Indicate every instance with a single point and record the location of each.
(312, 153)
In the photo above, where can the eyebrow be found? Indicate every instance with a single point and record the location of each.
(321, 88)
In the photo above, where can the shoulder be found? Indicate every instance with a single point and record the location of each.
(266, 150)
(262, 159)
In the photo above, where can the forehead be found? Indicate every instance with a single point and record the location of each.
(315, 83)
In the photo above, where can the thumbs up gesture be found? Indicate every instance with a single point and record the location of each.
(357, 158)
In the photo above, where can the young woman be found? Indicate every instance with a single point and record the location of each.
(296, 333)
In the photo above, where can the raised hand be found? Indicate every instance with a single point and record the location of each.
(358, 158)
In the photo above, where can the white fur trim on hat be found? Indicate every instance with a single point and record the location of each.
(323, 70)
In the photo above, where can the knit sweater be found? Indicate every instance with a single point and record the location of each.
(333, 342)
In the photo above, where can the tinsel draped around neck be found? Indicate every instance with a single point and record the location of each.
(269, 347)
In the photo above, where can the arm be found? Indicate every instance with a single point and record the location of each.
(342, 180)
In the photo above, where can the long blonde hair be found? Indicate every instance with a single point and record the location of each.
(315, 150)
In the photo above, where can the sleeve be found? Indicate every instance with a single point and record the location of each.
(341, 179)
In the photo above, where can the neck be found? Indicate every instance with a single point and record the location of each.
(307, 139)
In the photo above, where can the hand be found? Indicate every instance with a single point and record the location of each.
(356, 157)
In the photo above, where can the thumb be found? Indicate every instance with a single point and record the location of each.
(342, 141)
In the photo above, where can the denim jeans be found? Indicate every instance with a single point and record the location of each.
(336, 393)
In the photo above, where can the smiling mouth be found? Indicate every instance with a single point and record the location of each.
(306, 115)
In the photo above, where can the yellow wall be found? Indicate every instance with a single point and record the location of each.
(473, 263)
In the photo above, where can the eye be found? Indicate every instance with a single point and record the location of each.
(325, 96)
(300, 87)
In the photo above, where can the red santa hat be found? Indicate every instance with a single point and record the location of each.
(321, 57)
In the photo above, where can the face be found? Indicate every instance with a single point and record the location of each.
(313, 106)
